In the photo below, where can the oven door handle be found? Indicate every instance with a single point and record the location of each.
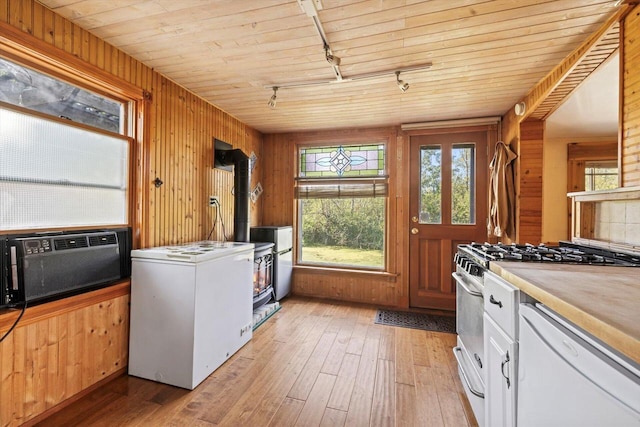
(464, 286)
(457, 350)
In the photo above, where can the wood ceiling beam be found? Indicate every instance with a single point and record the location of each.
(537, 96)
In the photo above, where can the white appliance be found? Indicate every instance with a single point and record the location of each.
(191, 309)
(567, 378)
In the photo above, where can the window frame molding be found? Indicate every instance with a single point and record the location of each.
(25, 49)
(384, 136)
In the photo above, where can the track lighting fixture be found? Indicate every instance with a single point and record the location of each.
(356, 77)
(273, 99)
(331, 58)
(403, 86)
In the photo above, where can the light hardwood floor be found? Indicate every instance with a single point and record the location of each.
(314, 363)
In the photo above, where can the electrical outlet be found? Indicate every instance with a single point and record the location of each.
(213, 201)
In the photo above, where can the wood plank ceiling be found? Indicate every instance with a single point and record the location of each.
(486, 55)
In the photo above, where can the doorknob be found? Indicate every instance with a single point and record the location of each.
(414, 230)
(414, 218)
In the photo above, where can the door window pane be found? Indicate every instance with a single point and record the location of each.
(462, 184)
(430, 184)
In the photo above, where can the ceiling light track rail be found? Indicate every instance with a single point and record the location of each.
(356, 77)
(310, 8)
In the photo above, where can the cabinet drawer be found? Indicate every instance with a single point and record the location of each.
(501, 303)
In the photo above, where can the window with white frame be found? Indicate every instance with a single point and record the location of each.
(600, 175)
(54, 172)
(342, 204)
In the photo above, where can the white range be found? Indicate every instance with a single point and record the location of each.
(191, 309)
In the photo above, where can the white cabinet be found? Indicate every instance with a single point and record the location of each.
(500, 367)
(500, 351)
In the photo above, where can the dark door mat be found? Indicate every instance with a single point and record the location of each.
(427, 322)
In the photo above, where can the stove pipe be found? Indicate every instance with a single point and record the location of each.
(242, 193)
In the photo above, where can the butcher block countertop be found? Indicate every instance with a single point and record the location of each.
(602, 300)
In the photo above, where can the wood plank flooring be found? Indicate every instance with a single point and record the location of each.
(314, 363)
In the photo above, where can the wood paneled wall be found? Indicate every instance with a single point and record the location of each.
(529, 210)
(181, 155)
(47, 361)
(60, 349)
(630, 111)
(179, 132)
(510, 134)
(278, 181)
(279, 208)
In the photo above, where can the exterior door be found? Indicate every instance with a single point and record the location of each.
(447, 207)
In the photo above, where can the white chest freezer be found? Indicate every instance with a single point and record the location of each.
(191, 309)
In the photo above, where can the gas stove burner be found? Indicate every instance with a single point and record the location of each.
(566, 252)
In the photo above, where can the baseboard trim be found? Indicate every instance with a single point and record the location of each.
(60, 406)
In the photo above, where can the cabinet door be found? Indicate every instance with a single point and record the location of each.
(500, 388)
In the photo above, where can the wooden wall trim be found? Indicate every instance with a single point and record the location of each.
(540, 92)
(630, 109)
(66, 65)
(529, 211)
(373, 275)
(40, 312)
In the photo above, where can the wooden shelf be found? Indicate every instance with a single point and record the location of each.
(622, 193)
(594, 221)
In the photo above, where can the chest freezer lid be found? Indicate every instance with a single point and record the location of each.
(192, 252)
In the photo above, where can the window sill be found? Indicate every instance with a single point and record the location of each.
(319, 270)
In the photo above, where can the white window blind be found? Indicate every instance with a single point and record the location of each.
(57, 175)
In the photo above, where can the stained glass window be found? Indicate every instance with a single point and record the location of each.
(342, 161)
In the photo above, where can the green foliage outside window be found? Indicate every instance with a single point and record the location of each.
(356, 223)
(431, 185)
(461, 184)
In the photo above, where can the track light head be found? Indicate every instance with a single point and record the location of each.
(331, 58)
(403, 86)
(273, 99)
